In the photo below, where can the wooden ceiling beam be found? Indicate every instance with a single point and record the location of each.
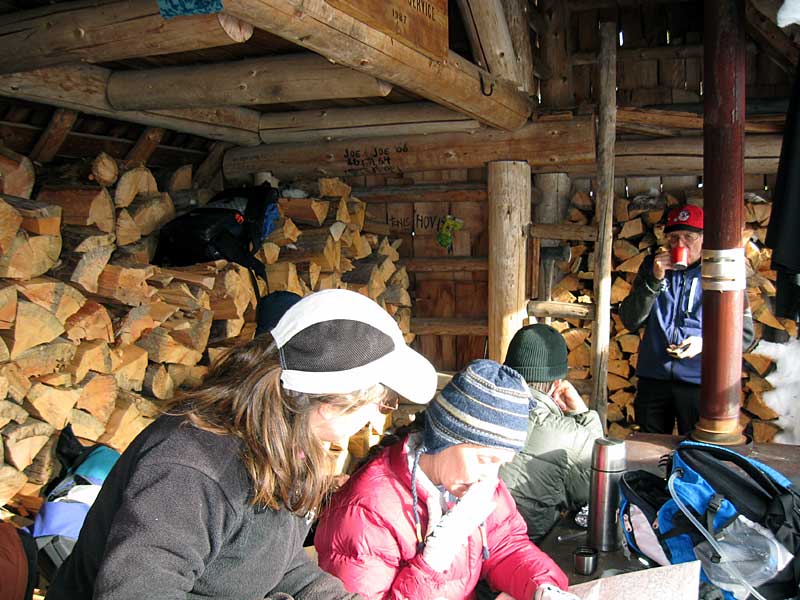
(779, 47)
(543, 144)
(362, 121)
(144, 147)
(271, 80)
(83, 88)
(453, 82)
(54, 135)
(87, 32)
(21, 138)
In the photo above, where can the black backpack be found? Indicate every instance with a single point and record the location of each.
(231, 227)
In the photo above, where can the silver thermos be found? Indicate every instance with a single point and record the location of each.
(608, 465)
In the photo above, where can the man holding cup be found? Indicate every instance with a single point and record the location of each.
(667, 298)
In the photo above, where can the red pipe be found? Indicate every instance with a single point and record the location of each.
(723, 192)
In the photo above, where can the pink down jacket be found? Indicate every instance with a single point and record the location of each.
(366, 537)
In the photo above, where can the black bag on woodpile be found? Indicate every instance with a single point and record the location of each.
(231, 227)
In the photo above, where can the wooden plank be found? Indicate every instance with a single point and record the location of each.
(421, 25)
(560, 310)
(563, 231)
(449, 326)
(282, 79)
(434, 192)
(452, 82)
(360, 122)
(85, 32)
(449, 264)
(54, 135)
(542, 144)
(83, 88)
(777, 43)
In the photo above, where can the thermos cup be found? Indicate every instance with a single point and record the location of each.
(680, 257)
(608, 465)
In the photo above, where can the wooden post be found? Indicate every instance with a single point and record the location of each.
(490, 38)
(516, 12)
(509, 191)
(723, 190)
(606, 136)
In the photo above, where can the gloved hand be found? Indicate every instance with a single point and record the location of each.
(550, 592)
(461, 521)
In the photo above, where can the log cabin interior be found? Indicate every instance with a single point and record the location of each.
(467, 164)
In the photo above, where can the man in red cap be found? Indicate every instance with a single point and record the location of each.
(667, 297)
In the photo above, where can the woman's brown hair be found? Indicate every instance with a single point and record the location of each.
(242, 396)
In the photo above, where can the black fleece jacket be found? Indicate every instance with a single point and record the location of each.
(173, 520)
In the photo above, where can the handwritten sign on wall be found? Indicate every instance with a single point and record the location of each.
(421, 24)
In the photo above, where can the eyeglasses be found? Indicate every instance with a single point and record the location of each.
(688, 237)
(388, 404)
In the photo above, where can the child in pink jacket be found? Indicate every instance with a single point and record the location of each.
(428, 517)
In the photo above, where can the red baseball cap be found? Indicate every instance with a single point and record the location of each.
(688, 218)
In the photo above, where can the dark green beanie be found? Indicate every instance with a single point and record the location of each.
(538, 353)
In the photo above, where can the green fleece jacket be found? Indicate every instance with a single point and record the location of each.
(551, 473)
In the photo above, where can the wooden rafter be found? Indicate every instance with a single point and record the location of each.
(87, 32)
(83, 88)
(54, 135)
(490, 38)
(778, 46)
(144, 147)
(454, 82)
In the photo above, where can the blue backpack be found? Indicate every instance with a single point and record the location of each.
(739, 517)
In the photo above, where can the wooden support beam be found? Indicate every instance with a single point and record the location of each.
(671, 123)
(144, 147)
(54, 135)
(448, 326)
(85, 32)
(560, 310)
(606, 137)
(83, 88)
(653, 53)
(270, 80)
(509, 185)
(445, 264)
(490, 38)
(210, 167)
(557, 91)
(453, 82)
(542, 144)
(331, 124)
(516, 12)
(777, 44)
(425, 192)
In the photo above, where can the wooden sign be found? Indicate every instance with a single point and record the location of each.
(421, 24)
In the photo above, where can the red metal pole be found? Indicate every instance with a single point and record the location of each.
(723, 192)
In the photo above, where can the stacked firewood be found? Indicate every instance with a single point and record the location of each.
(94, 336)
(638, 232)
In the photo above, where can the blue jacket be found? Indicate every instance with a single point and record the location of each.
(672, 310)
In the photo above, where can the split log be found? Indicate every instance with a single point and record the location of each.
(16, 174)
(310, 211)
(85, 426)
(85, 205)
(8, 304)
(185, 296)
(11, 482)
(30, 256)
(162, 347)
(193, 329)
(125, 284)
(10, 220)
(11, 411)
(151, 211)
(79, 239)
(44, 359)
(158, 383)
(285, 232)
(22, 442)
(126, 231)
(232, 293)
(91, 355)
(87, 267)
(131, 183)
(51, 404)
(137, 253)
(283, 276)
(33, 325)
(124, 425)
(18, 383)
(57, 297)
(129, 366)
(315, 245)
(97, 396)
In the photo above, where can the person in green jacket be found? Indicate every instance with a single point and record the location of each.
(551, 473)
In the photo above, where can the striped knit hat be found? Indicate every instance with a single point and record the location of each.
(485, 404)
